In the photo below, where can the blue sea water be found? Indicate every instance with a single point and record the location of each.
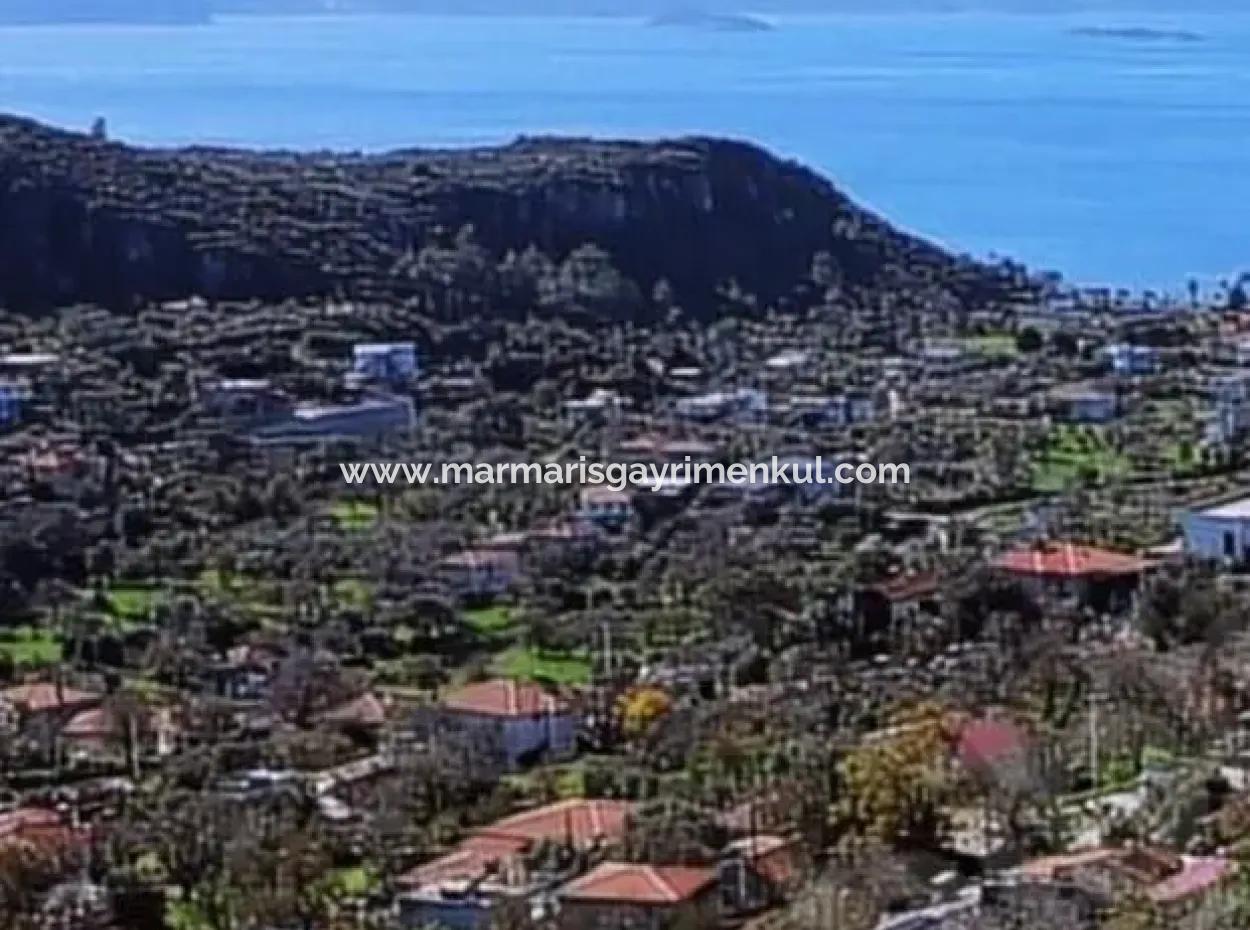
(1115, 161)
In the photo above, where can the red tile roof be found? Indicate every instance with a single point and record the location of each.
(364, 711)
(1068, 560)
(773, 857)
(632, 883)
(39, 827)
(96, 723)
(471, 861)
(42, 696)
(23, 820)
(1197, 875)
(984, 742)
(904, 588)
(503, 697)
(1166, 878)
(1050, 868)
(576, 820)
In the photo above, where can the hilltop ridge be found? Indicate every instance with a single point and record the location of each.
(92, 220)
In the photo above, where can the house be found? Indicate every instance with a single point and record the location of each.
(757, 872)
(244, 401)
(14, 395)
(1234, 351)
(41, 829)
(1130, 360)
(893, 600)
(370, 418)
(461, 889)
(1084, 405)
(46, 699)
(945, 360)
(482, 573)
(364, 714)
(638, 896)
(608, 507)
(742, 404)
(104, 731)
(389, 363)
(1184, 888)
(599, 405)
(1220, 533)
(515, 721)
(1090, 574)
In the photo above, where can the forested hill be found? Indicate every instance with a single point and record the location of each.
(87, 220)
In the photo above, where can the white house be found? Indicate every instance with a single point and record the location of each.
(745, 403)
(519, 720)
(605, 506)
(392, 363)
(1219, 533)
(481, 573)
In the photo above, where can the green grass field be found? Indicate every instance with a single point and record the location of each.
(354, 515)
(30, 647)
(489, 621)
(996, 345)
(133, 601)
(561, 668)
(1076, 455)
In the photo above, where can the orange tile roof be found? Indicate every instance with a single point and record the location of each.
(470, 861)
(577, 820)
(503, 697)
(1069, 561)
(633, 883)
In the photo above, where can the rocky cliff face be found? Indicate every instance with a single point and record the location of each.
(83, 219)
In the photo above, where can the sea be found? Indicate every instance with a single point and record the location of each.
(1118, 158)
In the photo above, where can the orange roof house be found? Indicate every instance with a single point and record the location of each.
(503, 697)
(576, 822)
(44, 697)
(618, 894)
(365, 712)
(1171, 881)
(512, 723)
(1068, 560)
(639, 883)
(40, 829)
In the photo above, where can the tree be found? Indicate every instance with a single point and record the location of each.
(898, 780)
(642, 709)
(1030, 340)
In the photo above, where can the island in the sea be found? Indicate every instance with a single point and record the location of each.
(711, 22)
(1137, 34)
(68, 12)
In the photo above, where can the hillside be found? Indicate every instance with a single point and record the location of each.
(91, 220)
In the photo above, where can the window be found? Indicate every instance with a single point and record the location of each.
(1230, 545)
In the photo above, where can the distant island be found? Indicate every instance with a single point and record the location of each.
(85, 12)
(1137, 34)
(712, 22)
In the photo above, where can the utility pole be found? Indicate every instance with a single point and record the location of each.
(1093, 738)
